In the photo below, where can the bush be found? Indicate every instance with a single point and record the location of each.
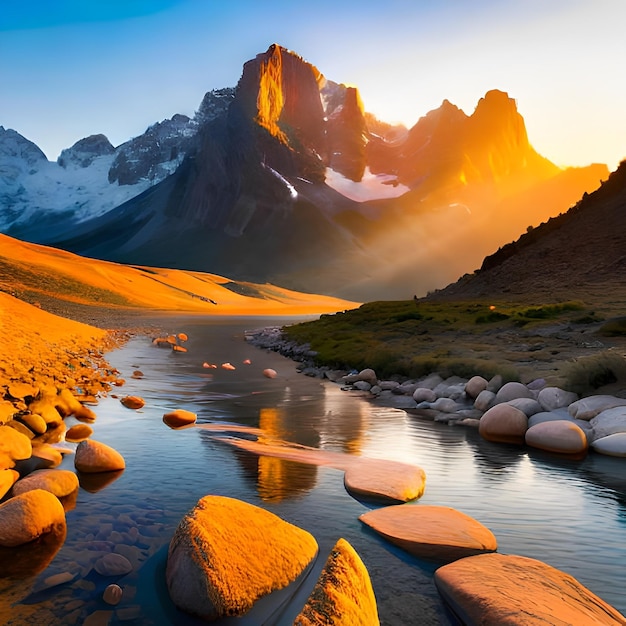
(614, 328)
(587, 374)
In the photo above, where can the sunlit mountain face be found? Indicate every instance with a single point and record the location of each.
(287, 179)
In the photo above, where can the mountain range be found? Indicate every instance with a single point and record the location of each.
(287, 179)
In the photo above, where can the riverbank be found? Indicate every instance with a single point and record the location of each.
(536, 414)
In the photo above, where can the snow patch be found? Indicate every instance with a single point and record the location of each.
(370, 187)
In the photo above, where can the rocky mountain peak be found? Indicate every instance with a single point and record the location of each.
(84, 151)
(17, 147)
(280, 91)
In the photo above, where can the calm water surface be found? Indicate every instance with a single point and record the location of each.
(569, 514)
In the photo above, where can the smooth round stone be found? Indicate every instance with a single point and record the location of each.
(431, 532)
(14, 446)
(226, 554)
(589, 407)
(78, 433)
(485, 400)
(343, 593)
(368, 375)
(28, 516)
(514, 590)
(475, 385)
(551, 398)
(113, 565)
(611, 445)
(528, 406)
(423, 394)
(381, 480)
(35, 422)
(112, 594)
(270, 373)
(94, 456)
(179, 418)
(503, 423)
(609, 422)
(7, 478)
(561, 436)
(132, 402)
(513, 390)
(59, 482)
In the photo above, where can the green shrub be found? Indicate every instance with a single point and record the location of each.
(587, 374)
(614, 328)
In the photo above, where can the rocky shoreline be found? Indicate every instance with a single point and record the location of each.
(537, 415)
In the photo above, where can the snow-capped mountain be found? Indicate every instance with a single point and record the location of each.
(286, 179)
(92, 177)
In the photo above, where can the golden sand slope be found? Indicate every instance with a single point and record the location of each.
(36, 346)
(31, 271)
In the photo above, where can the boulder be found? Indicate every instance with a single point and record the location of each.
(561, 436)
(611, 445)
(78, 433)
(608, 422)
(547, 416)
(28, 516)
(485, 400)
(343, 593)
(586, 408)
(515, 590)
(381, 480)
(446, 405)
(431, 532)
(368, 375)
(528, 406)
(7, 478)
(14, 446)
(270, 373)
(179, 418)
(503, 423)
(513, 390)
(495, 383)
(362, 385)
(113, 564)
(423, 394)
(58, 482)
(132, 402)
(226, 554)
(94, 456)
(45, 406)
(551, 398)
(35, 423)
(475, 385)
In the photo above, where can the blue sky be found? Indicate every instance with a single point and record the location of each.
(71, 68)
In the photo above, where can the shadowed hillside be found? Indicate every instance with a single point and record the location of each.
(581, 254)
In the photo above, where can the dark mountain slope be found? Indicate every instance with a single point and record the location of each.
(579, 254)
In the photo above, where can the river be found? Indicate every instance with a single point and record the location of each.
(569, 514)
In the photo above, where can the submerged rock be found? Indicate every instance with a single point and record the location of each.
(431, 532)
(382, 480)
(226, 554)
(518, 591)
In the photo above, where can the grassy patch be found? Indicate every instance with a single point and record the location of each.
(587, 374)
(614, 328)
